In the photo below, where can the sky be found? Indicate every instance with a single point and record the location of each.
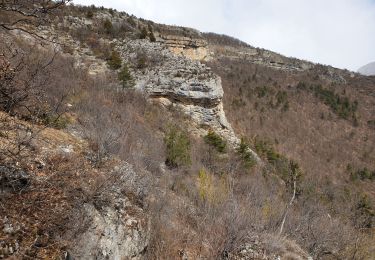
(340, 33)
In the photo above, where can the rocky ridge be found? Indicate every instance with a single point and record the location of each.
(246, 53)
(181, 82)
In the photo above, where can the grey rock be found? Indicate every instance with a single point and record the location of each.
(182, 82)
(12, 178)
(117, 228)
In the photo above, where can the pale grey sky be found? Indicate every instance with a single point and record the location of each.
(335, 32)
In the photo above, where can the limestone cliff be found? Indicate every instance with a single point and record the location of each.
(182, 82)
(172, 73)
(192, 48)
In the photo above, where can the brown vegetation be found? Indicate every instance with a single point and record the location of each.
(324, 129)
(211, 201)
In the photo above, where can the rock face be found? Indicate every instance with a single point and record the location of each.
(275, 61)
(113, 233)
(116, 228)
(172, 74)
(368, 70)
(261, 57)
(182, 82)
(195, 49)
(258, 248)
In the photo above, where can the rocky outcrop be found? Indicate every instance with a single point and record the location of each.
(192, 48)
(172, 74)
(113, 232)
(261, 57)
(269, 248)
(276, 61)
(174, 80)
(116, 227)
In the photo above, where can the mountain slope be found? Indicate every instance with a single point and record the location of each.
(368, 70)
(161, 142)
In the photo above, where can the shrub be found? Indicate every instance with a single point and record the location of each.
(205, 185)
(339, 104)
(125, 77)
(143, 34)
(361, 174)
(142, 60)
(132, 22)
(245, 153)
(371, 123)
(365, 213)
(281, 98)
(90, 14)
(262, 91)
(115, 61)
(56, 121)
(216, 141)
(265, 149)
(212, 190)
(152, 37)
(178, 147)
(342, 106)
(108, 27)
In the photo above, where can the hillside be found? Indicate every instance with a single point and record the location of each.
(122, 138)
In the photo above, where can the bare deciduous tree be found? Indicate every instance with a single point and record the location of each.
(20, 14)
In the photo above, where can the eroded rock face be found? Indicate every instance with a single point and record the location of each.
(192, 48)
(170, 77)
(115, 226)
(114, 233)
(261, 57)
(174, 80)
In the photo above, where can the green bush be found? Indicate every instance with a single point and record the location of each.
(245, 153)
(216, 141)
(342, 106)
(264, 149)
(143, 34)
(371, 123)
(178, 147)
(142, 60)
(365, 213)
(132, 22)
(90, 14)
(339, 104)
(108, 27)
(361, 174)
(125, 77)
(55, 121)
(115, 60)
(282, 99)
(262, 91)
(152, 37)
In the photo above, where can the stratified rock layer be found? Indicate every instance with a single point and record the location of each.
(182, 82)
(195, 49)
